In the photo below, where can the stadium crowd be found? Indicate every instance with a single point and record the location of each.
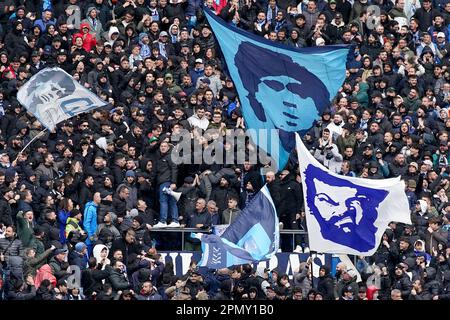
(91, 192)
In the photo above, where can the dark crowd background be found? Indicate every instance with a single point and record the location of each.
(92, 192)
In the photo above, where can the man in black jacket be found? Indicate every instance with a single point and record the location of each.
(119, 202)
(91, 278)
(118, 169)
(326, 283)
(86, 191)
(199, 218)
(130, 249)
(98, 171)
(166, 179)
(291, 200)
(402, 281)
(5, 207)
(223, 192)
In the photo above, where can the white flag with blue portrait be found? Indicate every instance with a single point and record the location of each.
(281, 89)
(52, 96)
(347, 215)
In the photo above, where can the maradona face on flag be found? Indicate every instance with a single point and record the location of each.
(348, 215)
(52, 96)
(279, 88)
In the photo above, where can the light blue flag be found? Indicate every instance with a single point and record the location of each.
(52, 96)
(279, 87)
(253, 236)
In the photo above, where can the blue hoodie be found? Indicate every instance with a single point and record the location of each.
(90, 220)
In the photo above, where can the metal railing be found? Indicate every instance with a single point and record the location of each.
(182, 231)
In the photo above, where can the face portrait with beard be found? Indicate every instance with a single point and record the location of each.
(346, 212)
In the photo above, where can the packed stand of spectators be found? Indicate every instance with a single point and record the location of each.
(90, 192)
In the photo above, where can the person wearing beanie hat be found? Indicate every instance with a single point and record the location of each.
(188, 180)
(139, 219)
(74, 213)
(326, 283)
(130, 173)
(10, 174)
(79, 257)
(139, 227)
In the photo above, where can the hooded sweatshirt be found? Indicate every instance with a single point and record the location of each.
(95, 25)
(89, 41)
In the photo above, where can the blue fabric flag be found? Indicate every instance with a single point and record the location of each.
(47, 5)
(279, 87)
(253, 236)
(52, 96)
(347, 215)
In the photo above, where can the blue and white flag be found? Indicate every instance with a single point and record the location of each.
(47, 5)
(279, 87)
(347, 215)
(253, 236)
(52, 96)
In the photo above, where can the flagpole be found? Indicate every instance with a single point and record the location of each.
(312, 267)
(40, 134)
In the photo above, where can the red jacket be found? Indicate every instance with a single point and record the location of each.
(89, 40)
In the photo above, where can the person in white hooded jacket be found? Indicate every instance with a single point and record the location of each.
(101, 253)
(327, 152)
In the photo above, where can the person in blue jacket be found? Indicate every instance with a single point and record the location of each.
(90, 220)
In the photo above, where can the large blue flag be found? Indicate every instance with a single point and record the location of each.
(52, 95)
(279, 87)
(347, 215)
(253, 236)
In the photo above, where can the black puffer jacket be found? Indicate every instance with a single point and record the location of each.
(166, 170)
(11, 247)
(431, 285)
(290, 202)
(446, 288)
(326, 285)
(5, 213)
(118, 281)
(403, 283)
(221, 194)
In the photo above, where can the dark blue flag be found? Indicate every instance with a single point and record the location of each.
(253, 236)
(279, 87)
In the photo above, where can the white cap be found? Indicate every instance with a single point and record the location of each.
(320, 42)
(441, 35)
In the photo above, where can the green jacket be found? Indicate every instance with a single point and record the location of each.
(412, 104)
(362, 96)
(31, 265)
(37, 245)
(343, 143)
(24, 230)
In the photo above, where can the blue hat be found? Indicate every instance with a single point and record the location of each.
(130, 173)
(80, 246)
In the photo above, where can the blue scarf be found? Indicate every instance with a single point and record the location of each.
(270, 15)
